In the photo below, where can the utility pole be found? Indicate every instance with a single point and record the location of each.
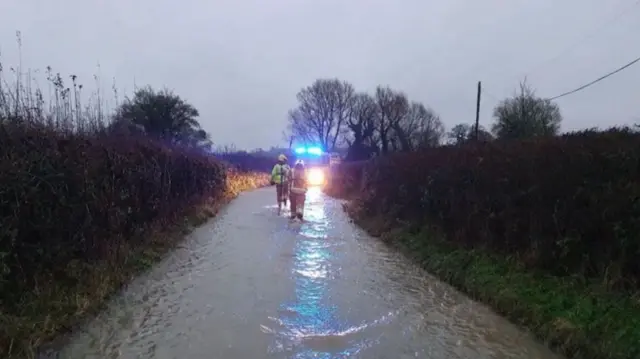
(477, 134)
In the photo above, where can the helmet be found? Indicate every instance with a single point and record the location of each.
(300, 163)
(282, 158)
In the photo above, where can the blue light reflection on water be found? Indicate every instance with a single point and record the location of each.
(315, 319)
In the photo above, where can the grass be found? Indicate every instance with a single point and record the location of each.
(576, 318)
(55, 308)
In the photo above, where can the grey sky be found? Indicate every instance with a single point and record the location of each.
(241, 62)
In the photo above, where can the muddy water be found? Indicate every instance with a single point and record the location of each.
(251, 285)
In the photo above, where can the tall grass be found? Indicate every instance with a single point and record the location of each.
(63, 106)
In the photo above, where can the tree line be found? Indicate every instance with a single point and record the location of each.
(331, 113)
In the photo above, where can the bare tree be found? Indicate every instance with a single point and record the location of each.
(362, 118)
(330, 112)
(322, 111)
(361, 124)
(420, 128)
(392, 106)
(525, 115)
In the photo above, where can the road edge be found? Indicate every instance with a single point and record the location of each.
(565, 314)
(91, 287)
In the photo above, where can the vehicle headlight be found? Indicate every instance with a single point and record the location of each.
(315, 176)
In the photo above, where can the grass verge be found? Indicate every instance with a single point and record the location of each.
(54, 308)
(575, 318)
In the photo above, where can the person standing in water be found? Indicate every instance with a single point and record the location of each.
(299, 188)
(280, 178)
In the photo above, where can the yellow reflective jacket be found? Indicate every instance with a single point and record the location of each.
(280, 173)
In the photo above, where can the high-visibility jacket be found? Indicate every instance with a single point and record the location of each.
(280, 173)
(299, 183)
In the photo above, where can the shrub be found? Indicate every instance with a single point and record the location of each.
(65, 196)
(565, 204)
(346, 178)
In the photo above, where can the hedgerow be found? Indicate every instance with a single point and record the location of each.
(70, 201)
(566, 205)
(543, 230)
(87, 202)
(65, 196)
(346, 179)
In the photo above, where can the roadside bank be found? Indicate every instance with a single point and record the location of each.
(56, 306)
(576, 318)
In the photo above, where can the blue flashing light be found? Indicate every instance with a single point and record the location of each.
(315, 151)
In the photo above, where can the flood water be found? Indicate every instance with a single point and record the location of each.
(250, 284)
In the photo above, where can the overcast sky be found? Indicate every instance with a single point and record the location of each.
(241, 62)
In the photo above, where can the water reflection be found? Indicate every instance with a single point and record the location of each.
(326, 290)
(309, 323)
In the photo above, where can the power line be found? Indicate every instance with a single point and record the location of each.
(596, 80)
(587, 36)
(571, 46)
(494, 97)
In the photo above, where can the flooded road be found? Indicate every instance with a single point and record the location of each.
(250, 284)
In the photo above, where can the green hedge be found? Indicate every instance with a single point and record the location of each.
(81, 214)
(566, 205)
(65, 197)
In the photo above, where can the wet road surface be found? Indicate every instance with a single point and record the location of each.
(250, 284)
